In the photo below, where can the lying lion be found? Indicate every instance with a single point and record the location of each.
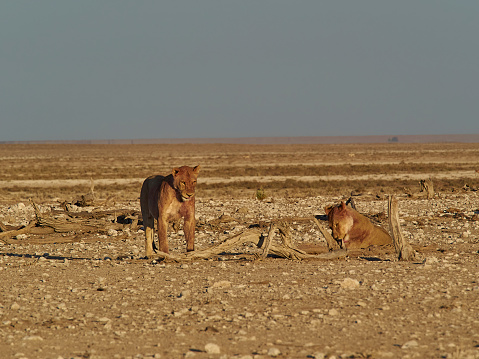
(168, 199)
(354, 229)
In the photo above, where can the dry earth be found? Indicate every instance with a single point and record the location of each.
(91, 294)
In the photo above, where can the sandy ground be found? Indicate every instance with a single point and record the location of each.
(98, 297)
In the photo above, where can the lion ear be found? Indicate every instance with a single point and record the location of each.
(196, 169)
(175, 171)
(328, 209)
(343, 206)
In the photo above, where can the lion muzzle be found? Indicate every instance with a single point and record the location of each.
(187, 196)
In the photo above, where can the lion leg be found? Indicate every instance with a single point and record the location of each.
(149, 225)
(149, 233)
(148, 220)
(189, 229)
(163, 235)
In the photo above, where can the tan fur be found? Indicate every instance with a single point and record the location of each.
(167, 199)
(353, 229)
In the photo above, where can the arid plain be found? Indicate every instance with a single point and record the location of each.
(88, 292)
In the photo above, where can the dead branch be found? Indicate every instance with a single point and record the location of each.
(69, 224)
(283, 248)
(13, 233)
(427, 187)
(267, 243)
(285, 233)
(3, 228)
(251, 236)
(403, 248)
(351, 202)
(332, 244)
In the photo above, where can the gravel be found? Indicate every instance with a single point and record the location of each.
(97, 297)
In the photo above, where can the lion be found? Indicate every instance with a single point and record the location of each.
(353, 229)
(167, 199)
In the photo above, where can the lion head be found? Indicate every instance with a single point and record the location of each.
(184, 181)
(340, 220)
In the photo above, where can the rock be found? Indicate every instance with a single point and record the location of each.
(212, 348)
(410, 344)
(349, 283)
(36, 338)
(221, 284)
(184, 293)
(274, 352)
(112, 233)
(431, 260)
(333, 312)
(15, 306)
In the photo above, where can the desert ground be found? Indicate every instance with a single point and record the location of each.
(75, 282)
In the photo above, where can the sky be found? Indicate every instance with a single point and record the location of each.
(116, 69)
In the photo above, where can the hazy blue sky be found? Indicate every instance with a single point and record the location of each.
(114, 69)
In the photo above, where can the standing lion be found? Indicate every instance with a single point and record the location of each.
(167, 199)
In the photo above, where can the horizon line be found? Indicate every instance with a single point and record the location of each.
(459, 138)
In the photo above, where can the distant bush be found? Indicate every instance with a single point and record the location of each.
(260, 195)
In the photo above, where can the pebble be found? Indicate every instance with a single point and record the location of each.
(33, 338)
(184, 293)
(112, 232)
(222, 284)
(410, 344)
(333, 312)
(212, 348)
(349, 283)
(274, 352)
(130, 283)
(431, 260)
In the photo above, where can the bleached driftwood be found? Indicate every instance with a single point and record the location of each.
(331, 242)
(71, 224)
(281, 249)
(16, 232)
(427, 187)
(267, 243)
(404, 250)
(3, 228)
